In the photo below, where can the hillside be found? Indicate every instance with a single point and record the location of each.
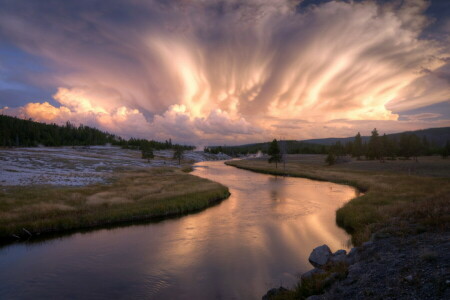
(436, 136)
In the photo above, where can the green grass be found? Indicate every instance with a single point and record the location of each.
(134, 195)
(392, 199)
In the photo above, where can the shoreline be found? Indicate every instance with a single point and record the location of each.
(136, 196)
(395, 247)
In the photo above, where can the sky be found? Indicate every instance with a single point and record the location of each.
(209, 72)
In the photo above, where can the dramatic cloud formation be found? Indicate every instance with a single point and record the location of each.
(232, 71)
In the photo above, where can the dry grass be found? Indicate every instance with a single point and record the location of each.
(133, 195)
(393, 199)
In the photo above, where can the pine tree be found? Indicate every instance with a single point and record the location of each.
(330, 159)
(274, 152)
(357, 149)
(178, 154)
(374, 146)
(446, 150)
(384, 147)
(147, 152)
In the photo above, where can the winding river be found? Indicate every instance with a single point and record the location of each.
(259, 238)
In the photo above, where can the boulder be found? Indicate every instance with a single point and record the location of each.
(320, 256)
(353, 252)
(340, 252)
(339, 256)
(353, 256)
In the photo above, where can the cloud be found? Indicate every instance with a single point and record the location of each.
(177, 122)
(230, 70)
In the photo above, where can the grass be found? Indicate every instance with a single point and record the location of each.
(316, 284)
(134, 195)
(399, 196)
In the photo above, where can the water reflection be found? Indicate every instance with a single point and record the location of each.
(258, 238)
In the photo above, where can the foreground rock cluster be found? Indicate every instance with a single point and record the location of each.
(387, 267)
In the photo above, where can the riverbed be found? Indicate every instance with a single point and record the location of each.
(259, 238)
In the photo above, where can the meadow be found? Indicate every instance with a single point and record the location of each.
(131, 195)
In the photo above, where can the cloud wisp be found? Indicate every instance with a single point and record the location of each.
(231, 71)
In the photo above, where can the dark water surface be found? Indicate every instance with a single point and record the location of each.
(259, 238)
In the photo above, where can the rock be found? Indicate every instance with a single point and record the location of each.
(340, 252)
(312, 272)
(353, 251)
(352, 256)
(274, 292)
(355, 268)
(320, 256)
(367, 244)
(339, 257)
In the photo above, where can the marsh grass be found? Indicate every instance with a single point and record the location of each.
(392, 198)
(132, 196)
(316, 284)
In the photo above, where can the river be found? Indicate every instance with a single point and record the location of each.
(258, 238)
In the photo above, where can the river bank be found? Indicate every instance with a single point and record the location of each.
(405, 217)
(51, 190)
(140, 194)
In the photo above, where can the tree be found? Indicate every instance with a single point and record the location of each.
(178, 154)
(384, 147)
(415, 146)
(330, 159)
(410, 145)
(274, 152)
(374, 146)
(338, 149)
(389, 147)
(357, 149)
(147, 152)
(425, 146)
(446, 150)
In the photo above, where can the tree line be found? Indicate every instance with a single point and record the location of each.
(139, 144)
(290, 147)
(405, 146)
(16, 132)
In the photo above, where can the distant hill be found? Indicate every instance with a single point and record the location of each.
(437, 136)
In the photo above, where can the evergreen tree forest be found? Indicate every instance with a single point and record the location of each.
(406, 145)
(403, 146)
(16, 132)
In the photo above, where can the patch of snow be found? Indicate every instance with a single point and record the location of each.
(75, 166)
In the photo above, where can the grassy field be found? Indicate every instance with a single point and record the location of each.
(400, 197)
(133, 195)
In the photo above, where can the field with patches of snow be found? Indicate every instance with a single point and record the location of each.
(79, 166)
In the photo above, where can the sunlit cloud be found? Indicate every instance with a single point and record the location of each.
(232, 71)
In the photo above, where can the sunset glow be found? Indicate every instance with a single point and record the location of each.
(208, 72)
